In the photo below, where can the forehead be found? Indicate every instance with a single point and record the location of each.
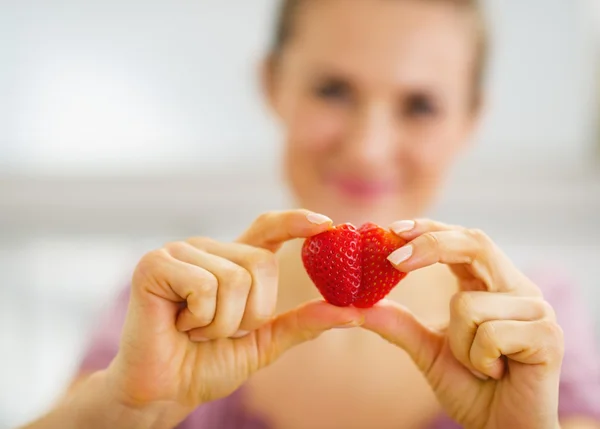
(391, 41)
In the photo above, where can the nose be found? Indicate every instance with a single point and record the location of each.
(370, 142)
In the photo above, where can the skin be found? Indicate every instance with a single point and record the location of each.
(372, 125)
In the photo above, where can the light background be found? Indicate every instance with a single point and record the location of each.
(127, 123)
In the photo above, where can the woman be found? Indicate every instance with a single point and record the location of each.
(377, 99)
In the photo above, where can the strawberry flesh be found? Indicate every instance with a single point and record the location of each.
(350, 266)
(333, 263)
(378, 276)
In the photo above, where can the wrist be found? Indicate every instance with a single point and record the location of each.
(106, 404)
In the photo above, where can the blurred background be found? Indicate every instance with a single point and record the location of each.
(124, 124)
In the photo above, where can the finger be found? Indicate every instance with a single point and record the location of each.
(297, 326)
(537, 342)
(201, 301)
(172, 279)
(474, 258)
(262, 266)
(447, 247)
(411, 229)
(234, 283)
(270, 230)
(399, 326)
(468, 310)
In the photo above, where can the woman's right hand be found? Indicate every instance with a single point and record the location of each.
(201, 316)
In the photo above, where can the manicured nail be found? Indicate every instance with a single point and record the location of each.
(318, 219)
(240, 334)
(402, 226)
(479, 375)
(401, 255)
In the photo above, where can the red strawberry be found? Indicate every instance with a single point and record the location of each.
(332, 260)
(350, 266)
(379, 276)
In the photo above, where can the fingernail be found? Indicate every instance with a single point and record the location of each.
(240, 334)
(479, 375)
(318, 219)
(402, 226)
(401, 255)
(199, 339)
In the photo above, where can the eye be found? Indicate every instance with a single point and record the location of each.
(333, 89)
(420, 105)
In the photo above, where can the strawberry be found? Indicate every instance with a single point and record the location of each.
(333, 262)
(379, 276)
(350, 266)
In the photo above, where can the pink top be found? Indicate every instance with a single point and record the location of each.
(580, 377)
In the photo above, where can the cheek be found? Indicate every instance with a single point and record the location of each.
(313, 133)
(437, 148)
(315, 129)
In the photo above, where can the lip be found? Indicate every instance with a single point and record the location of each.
(358, 188)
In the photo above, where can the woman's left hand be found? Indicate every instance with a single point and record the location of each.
(497, 364)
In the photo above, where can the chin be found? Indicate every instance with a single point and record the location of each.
(358, 214)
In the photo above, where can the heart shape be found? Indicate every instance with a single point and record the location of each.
(349, 266)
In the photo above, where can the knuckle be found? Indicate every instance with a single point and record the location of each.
(207, 286)
(305, 335)
(542, 307)
(200, 242)
(553, 345)
(302, 332)
(539, 306)
(553, 330)
(262, 260)
(151, 262)
(546, 309)
(483, 245)
(487, 335)
(238, 278)
(265, 217)
(480, 237)
(176, 248)
(431, 239)
(462, 305)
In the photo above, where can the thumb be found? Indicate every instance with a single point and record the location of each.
(300, 325)
(270, 230)
(399, 326)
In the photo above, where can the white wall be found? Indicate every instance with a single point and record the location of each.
(132, 81)
(540, 83)
(594, 6)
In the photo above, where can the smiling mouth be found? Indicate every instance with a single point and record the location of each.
(360, 188)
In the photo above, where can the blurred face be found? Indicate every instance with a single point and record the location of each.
(375, 97)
